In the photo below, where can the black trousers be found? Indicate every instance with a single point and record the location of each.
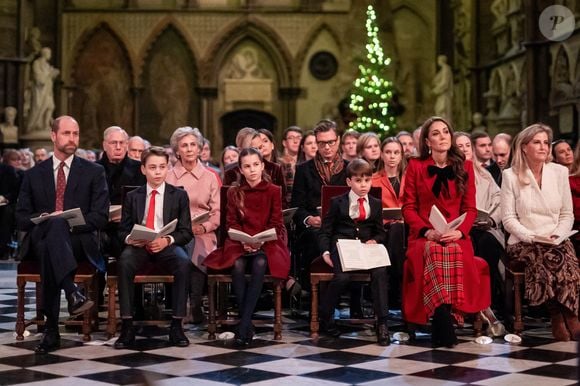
(58, 251)
(341, 280)
(174, 260)
(7, 226)
(396, 242)
(486, 246)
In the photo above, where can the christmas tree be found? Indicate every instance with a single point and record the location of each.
(371, 98)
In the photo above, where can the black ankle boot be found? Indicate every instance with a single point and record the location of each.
(442, 329)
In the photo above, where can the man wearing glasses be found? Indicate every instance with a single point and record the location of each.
(326, 168)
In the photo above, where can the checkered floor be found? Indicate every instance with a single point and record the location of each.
(354, 358)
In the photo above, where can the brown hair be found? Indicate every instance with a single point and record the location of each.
(325, 125)
(359, 168)
(403, 164)
(153, 151)
(454, 156)
(237, 188)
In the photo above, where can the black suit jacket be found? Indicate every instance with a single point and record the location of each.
(307, 189)
(495, 172)
(9, 183)
(175, 206)
(86, 188)
(126, 173)
(337, 224)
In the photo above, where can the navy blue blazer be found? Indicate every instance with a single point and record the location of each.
(337, 224)
(175, 206)
(86, 188)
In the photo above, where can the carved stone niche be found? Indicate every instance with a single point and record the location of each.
(248, 91)
(501, 35)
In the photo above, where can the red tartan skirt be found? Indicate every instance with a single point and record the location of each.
(436, 274)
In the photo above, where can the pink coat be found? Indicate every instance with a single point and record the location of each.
(203, 189)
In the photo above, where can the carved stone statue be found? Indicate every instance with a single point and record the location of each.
(499, 10)
(443, 89)
(42, 102)
(245, 65)
(8, 130)
(477, 121)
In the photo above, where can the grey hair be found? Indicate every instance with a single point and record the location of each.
(181, 132)
(109, 130)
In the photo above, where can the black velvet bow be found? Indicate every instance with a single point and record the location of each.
(443, 174)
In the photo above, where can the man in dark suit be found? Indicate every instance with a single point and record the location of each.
(9, 185)
(62, 182)
(482, 150)
(354, 215)
(155, 205)
(327, 168)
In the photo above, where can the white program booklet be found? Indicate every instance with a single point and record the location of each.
(115, 211)
(73, 216)
(441, 225)
(243, 237)
(141, 232)
(200, 217)
(355, 255)
(550, 241)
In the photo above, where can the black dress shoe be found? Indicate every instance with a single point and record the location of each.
(383, 335)
(177, 336)
(78, 303)
(330, 329)
(50, 341)
(127, 337)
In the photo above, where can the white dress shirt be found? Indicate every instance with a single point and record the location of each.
(56, 164)
(353, 206)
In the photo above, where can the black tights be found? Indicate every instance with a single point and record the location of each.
(248, 294)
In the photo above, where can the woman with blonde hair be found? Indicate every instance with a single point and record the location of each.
(368, 147)
(536, 201)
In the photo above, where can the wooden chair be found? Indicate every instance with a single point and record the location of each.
(217, 294)
(321, 272)
(515, 276)
(29, 271)
(151, 273)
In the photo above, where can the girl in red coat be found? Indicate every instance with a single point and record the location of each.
(442, 277)
(253, 205)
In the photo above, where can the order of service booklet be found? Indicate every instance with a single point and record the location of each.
(551, 241)
(73, 216)
(141, 232)
(441, 225)
(355, 255)
(243, 237)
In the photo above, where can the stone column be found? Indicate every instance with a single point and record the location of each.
(209, 124)
(288, 96)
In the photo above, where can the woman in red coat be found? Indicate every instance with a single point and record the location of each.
(442, 278)
(253, 206)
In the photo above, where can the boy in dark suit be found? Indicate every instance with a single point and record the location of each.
(354, 215)
(155, 205)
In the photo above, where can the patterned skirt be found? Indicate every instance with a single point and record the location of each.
(443, 277)
(551, 272)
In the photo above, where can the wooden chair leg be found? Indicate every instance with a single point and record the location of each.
(518, 322)
(278, 310)
(314, 324)
(211, 293)
(21, 283)
(477, 324)
(111, 312)
(86, 328)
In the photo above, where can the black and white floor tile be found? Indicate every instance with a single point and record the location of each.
(354, 358)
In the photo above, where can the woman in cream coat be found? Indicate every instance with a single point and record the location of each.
(536, 201)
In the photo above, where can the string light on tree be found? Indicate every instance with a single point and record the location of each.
(372, 93)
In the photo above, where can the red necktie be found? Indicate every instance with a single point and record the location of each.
(362, 214)
(60, 187)
(151, 211)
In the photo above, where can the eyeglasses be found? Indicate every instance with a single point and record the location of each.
(327, 143)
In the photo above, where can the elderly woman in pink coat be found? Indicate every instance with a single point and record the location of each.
(203, 188)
